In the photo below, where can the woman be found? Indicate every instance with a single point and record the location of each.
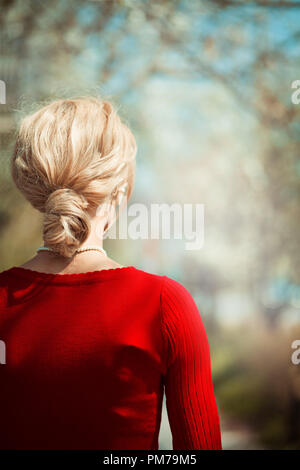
(91, 345)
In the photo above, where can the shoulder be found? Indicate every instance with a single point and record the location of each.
(171, 289)
(172, 292)
(165, 281)
(176, 294)
(179, 311)
(181, 321)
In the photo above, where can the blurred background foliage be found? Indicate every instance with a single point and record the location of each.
(206, 88)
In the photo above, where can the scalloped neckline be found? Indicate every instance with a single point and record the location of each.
(87, 276)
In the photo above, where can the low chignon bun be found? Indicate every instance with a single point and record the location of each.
(66, 221)
(70, 157)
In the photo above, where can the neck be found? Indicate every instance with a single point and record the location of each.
(47, 261)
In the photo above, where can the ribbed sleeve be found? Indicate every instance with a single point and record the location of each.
(190, 400)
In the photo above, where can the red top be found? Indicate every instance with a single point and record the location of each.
(88, 356)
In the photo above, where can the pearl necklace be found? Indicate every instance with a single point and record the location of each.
(79, 250)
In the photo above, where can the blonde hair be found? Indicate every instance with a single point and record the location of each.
(71, 156)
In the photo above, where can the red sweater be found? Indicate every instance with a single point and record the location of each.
(89, 355)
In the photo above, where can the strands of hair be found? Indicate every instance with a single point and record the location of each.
(71, 156)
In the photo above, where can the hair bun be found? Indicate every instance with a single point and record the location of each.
(66, 221)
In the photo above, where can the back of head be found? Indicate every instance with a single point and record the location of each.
(71, 156)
